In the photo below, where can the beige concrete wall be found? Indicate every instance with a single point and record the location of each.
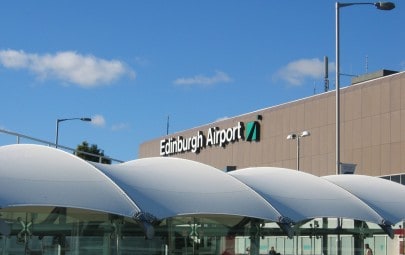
(372, 132)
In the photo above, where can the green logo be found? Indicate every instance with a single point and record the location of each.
(252, 131)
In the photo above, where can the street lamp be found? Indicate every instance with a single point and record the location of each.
(297, 137)
(379, 5)
(57, 127)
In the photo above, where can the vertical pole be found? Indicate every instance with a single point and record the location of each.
(326, 74)
(325, 236)
(57, 133)
(338, 240)
(167, 125)
(298, 152)
(339, 251)
(337, 91)
(358, 240)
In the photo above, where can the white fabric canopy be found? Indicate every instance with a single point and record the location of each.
(157, 188)
(168, 187)
(301, 196)
(34, 175)
(384, 196)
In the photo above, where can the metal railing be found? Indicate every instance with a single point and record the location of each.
(19, 136)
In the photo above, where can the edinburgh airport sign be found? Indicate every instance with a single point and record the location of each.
(212, 137)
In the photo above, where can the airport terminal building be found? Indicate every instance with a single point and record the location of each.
(372, 133)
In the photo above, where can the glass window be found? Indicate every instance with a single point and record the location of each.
(72, 231)
(403, 179)
(386, 177)
(289, 246)
(56, 230)
(306, 246)
(332, 248)
(380, 245)
(396, 178)
(347, 245)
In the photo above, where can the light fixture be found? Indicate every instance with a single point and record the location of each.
(294, 136)
(57, 127)
(386, 6)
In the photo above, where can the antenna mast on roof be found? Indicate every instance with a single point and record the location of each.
(167, 125)
(326, 85)
(366, 64)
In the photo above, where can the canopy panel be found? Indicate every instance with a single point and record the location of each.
(35, 175)
(302, 196)
(384, 196)
(168, 187)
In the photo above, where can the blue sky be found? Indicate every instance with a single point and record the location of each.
(130, 64)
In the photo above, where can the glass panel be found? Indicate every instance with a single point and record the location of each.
(264, 245)
(347, 245)
(289, 247)
(272, 241)
(386, 177)
(63, 231)
(318, 245)
(280, 245)
(380, 245)
(370, 242)
(332, 248)
(306, 246)
(347, 223)
(332, 223)
(396, 178)
(241, 244)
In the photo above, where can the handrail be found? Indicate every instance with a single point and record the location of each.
(19, 136)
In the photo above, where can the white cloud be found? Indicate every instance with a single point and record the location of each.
(218, 77)
(296, 72)
(143, 62)
(119, 126)
(68, 66)
(98, 120)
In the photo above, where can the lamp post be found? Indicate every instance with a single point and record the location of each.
(379, 5)
(57, 127)
(297, 137)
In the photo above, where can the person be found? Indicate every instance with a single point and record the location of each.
(272, 251)
(368, 250)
